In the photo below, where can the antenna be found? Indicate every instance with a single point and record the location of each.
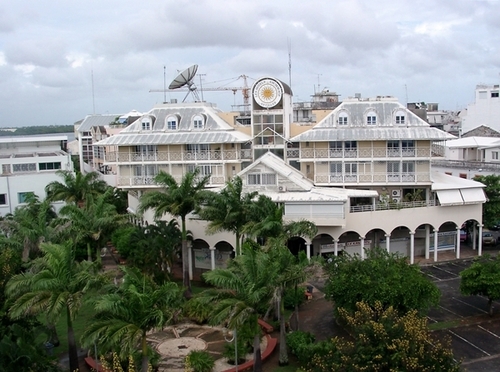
(186, 78)
(290, 63)
(319, 87)
(164, 84)
(93, 96)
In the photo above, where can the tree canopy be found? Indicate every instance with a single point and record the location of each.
(384, 277)
(482, 278)
(491, 209)
(383, 340)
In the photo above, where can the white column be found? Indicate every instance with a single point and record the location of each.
(480, 241)
(362, 245)
(212, 257)
(427, 241)
(308, 249)
(412, 247)
(388, 242)
(474, 237)
(436, 231)
(190, 258)
(458, 243)
(336, 247)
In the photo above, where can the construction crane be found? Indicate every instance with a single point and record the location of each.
(245, 90)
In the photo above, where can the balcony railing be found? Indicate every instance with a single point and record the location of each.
(392, 206)
(362, 178)
(179, 156)
(214, 180)
(357, 153)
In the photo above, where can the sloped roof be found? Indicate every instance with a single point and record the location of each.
(96, 121)
(280, 167)
(215, 129)
(414, 127)
(442, 181)
(472, 142)
(482, 131)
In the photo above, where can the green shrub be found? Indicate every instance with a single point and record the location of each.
(294, 297)
(301, 345)
(199, 361)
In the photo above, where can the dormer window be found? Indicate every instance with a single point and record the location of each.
(400, 117)
(172, 123)
(342, 119)
(146, 123)
(371, 118)
(198, 122)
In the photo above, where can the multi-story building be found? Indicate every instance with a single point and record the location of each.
(28, 165)
(485, 110)
(361, 172)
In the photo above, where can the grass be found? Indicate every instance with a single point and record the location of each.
(443, 325)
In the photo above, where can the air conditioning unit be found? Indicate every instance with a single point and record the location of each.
(396, 200)
(281, 188)
(396, 193)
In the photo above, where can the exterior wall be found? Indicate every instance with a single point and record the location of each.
(484, 111)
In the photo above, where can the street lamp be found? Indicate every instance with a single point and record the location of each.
(231, 339)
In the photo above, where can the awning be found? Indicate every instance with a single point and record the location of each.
(473, 195)
(450, 197)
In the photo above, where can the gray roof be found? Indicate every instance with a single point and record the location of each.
(356, 130)
(215, 129)
(96, 121)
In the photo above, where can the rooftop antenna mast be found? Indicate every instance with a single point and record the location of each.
(290, 63)
(319, 86)
(164, 84)
(93, 95)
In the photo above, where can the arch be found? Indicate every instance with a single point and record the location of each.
(198, 121)
(370, 117)
(172, 122)
(297, 244)
(343, 118)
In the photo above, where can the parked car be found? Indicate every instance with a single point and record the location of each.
(495, 226)
(463, 236)
(488, 238)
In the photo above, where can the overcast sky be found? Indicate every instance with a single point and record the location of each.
(61, 60)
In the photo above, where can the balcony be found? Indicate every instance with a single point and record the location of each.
(392, 206)
(179, 156)
(375, 153)
(371, 178)
(145, 181)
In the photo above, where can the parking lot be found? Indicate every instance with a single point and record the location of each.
(477, 342)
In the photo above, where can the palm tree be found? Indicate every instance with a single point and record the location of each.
(54, 285)
(75, 187)
(178, 200)
(229, 210)
(242, 294)
(93, 222)
(124, 318)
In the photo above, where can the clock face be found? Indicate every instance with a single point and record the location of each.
(267, 93)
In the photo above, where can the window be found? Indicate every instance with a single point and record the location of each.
(408, 147)
(336, 168)
(400, 119)
(408, 168)
(172, 123)
(205, 170)
(371, 118)
(494, 94)
(3, 199)
(49, 166)
(494, 155)
(28, 167)
(393, 167)
(146, 124)
(198, 122)
(5, 168)
(22, 196)
(350, 148)
(261, 179)
(342, 119)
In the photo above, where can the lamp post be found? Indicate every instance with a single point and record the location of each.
(235, 339)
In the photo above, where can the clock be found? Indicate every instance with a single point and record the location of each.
(267, 93)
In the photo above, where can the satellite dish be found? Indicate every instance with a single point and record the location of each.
(186, 78)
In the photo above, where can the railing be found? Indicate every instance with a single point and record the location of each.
(174, 156)
(391, 206)
(472, 165)
(361, 178)
(358, 153)
(214, 180)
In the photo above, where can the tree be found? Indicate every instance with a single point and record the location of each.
(178, 200)
(491, 209)
(228, 210)
(75, 188)
(241, 296)
(382, 276)
(124, 317)
(383, 340)
(92, 223)
(54, 285)
(482, 278)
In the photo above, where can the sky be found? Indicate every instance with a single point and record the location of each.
(61, 60)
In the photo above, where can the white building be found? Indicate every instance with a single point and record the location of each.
(362, 172)
(485, 110)
(28, 165)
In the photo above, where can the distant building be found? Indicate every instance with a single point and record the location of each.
(28, 165)
(485, 110)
